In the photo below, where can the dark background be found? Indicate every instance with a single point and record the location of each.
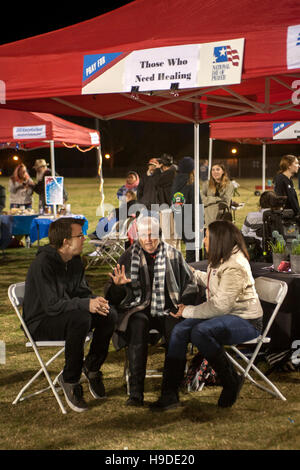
(130, 144)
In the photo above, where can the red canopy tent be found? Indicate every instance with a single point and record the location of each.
(29, 131)
(45, 73)
(35, 130)
(255, 133)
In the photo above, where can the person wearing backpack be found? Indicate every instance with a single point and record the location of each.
(231, 314)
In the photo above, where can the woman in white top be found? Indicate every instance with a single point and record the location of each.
(20, 188)
(218, 189)
(231, 314)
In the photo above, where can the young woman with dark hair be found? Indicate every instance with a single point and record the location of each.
(231, 314)
(283, 182)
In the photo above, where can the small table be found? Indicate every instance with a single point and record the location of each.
(40, 226)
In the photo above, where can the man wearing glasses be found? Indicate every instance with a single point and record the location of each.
(59, 305)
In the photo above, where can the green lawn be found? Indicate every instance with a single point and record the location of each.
(257, 420)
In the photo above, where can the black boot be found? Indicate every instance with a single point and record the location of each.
(172, 378)
(230, 380)
(137, 358)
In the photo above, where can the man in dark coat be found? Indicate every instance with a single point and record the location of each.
(59, 305)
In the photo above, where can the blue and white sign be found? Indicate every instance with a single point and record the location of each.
(29, 132)
(54, 187)
(293, 47)
(286, 130)
(95, 63)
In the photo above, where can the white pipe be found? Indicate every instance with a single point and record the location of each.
(197, 188)
(264, 167)
(210, 153)
(52, 158)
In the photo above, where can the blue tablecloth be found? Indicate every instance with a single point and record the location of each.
(22, 223)
(40, 227)
(6, 223)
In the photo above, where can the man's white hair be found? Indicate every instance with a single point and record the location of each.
(146, 224)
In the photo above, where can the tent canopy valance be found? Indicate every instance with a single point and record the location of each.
(34, 130)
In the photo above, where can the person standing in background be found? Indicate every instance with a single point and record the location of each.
(219, 189)
(20, 188)
(283, 182)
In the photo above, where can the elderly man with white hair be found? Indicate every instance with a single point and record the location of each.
(150, 280)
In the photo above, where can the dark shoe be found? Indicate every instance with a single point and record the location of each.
(135, 401)
(230, 393)
(165, 402)
(96, 385)
(73, 394)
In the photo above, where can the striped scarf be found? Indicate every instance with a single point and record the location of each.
(138, 261)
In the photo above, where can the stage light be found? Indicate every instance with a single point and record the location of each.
(234, 150)
(15, 158)
(107, 156)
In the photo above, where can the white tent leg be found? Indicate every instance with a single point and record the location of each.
(210, 149)
(264, 167)
(52, 157)
(197, 188)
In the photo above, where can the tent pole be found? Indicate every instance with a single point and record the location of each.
(100, 208)
(264, 167)
(52, 158)
(210, 149)
(197, 188)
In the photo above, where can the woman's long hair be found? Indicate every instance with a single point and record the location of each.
(224, 180)
(15, 177)
(223, 237)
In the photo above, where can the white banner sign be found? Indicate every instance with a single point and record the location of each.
(286, 130)
(163, 68)
(29, 132)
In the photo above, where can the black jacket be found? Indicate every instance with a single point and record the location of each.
(164, 185)
(284, 186)
(146, 190)
(53, 287)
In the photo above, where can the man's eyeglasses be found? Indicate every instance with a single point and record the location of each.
(81, 235)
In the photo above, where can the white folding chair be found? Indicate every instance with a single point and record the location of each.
(16, 296)
(272, 291)
(112, 245)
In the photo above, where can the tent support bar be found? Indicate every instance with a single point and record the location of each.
(210, 154)
(197, 201)
(263, 167)
(78, 108)
(52, 159)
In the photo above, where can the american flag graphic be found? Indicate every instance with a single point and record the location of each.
(298, 40)
(226, 54)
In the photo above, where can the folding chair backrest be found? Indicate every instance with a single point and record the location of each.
(16, 294)
(272, 291)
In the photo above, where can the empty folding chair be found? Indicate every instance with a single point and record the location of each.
(272, 291)
(16, 296)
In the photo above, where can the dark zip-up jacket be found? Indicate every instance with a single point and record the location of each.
(53, 286)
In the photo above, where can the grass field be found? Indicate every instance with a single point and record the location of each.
(257, 420)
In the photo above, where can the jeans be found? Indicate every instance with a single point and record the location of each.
(73, 327)
(210, 335)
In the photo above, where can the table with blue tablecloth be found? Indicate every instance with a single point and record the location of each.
(40, 226)
(14, 225)
(22, 223)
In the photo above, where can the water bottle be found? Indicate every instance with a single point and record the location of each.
(27, 241)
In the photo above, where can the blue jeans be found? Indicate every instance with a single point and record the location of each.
(209, 336)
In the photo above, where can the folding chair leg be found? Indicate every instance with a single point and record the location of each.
(51, 386)
(275, 392)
